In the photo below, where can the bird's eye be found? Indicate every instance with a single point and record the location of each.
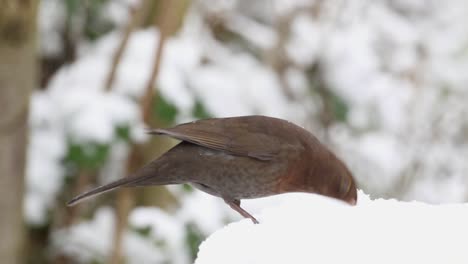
(345, 185)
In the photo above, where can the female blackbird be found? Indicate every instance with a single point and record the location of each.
(243, 157)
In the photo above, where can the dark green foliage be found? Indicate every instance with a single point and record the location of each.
(445, 92)
(87, 156)
(199, 111)
(95, 261)
(123, 132)
(143, 231)
(95, 25)
(146, 233)
(72, 7)
(333, 105)
(37, 235)
(187, 188)
(165, 111)
(340, 108)
(194, 238)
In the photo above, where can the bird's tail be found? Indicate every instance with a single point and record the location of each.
(104, 188)
(153, 173)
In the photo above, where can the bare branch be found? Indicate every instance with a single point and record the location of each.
(136, 16)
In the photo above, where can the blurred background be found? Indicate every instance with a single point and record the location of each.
(383, 83)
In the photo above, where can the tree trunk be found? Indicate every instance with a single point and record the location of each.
(17, 79)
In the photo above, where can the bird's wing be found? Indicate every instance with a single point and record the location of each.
(238, 136)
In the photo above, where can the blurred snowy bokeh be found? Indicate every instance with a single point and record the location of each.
(383, 83)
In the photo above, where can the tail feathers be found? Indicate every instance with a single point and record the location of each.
(156, 172)
(105, 188)
(156, 131)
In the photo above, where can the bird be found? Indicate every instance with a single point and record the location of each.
(243, 157)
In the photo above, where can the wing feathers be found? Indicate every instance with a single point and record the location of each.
(252, 145)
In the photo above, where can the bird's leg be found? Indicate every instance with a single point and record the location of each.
(235, 204)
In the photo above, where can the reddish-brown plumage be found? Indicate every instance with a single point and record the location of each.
(244, 157)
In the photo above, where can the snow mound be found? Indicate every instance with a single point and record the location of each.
(306, 228)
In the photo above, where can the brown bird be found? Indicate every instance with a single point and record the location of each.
(241, 158)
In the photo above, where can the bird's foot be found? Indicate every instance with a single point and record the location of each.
(235, 204)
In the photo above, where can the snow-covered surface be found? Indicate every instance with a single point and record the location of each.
(305, 228)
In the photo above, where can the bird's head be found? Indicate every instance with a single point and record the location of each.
(337, 181)
(347, 190)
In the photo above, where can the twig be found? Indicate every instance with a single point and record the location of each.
(278, 58)
(166, 27)
(136, 16)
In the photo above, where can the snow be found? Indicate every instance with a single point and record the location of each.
(257, 34)
(284, 7)
(207, 212)
(50, 23)
(181, 57)
(91, 241)
(100, 114)
(386, 153)
(117, 11)
(305, 43)
(306, 228)
(164, 228)
(73, 109)
(43, 170)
